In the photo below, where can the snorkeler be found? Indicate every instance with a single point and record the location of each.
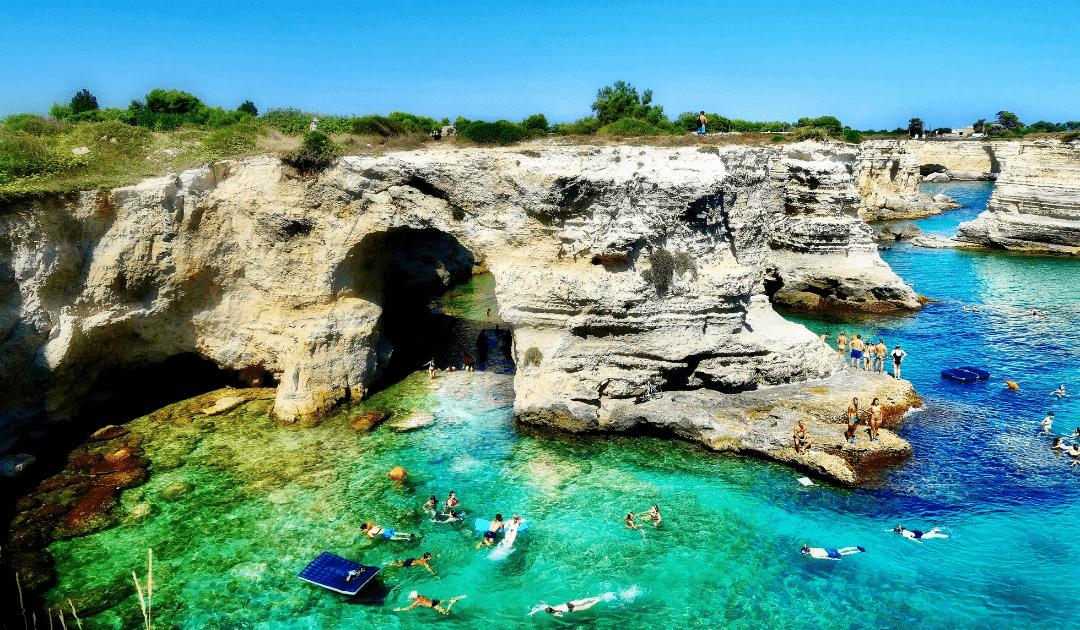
(569, 607)
(422, 561)
(427, 602)
(1059, 392)
(821, 553)
(451, 517)
(916, 535)
(372, 530)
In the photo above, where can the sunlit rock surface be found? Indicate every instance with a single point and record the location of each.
(282, 278)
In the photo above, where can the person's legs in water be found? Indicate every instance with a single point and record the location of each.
(449, 604)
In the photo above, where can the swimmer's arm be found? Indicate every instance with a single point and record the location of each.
(414, 605)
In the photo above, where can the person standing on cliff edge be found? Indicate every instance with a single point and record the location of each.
(314, 126)
(701, 122)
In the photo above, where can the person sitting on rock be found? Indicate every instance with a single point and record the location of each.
(801, 440)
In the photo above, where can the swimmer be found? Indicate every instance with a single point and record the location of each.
(422, 561)
(569, 607)
(875, 419)
(916, 535)
(372, 530)
(452, 517)
(1058, 444)
(801, 441)
(630, 524)
(897, 358)
(514, 523)
(1059, 392)
(1076, 433)
(820, 553)
(451, 502)
(432, 506)
(1074, 451)
(1047, 423)
(852, 420)
(653, 515)
(427, 602)
(841, 344)
(496, 525)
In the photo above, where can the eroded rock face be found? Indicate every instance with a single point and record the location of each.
(257, 269)
(888, 174)
(1035, 206)
(965, 159)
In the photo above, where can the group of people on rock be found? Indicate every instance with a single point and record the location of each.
(874, 418)
(867, 355)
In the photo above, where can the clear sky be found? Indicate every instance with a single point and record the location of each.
(873, 65)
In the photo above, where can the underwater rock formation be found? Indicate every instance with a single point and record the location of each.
(628, 269)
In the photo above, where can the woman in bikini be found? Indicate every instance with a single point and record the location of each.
(569, 607)
(372, 530)
(841, 344)
(653, 515)
(422, 561)
(875, 419)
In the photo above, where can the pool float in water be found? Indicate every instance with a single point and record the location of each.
(397, 473)
(966, 374)
(1012, 384)
(338, 574)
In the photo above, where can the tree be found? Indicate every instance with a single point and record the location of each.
(979, 125)
(1009, 120)
(621, 100)
(536, 122)
(249, 107)
(172, 102)
(83, 101)
(915, 127)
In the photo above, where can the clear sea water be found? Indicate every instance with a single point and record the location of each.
(726, 555)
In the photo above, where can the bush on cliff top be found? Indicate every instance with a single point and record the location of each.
(317, 153)
(498, 132)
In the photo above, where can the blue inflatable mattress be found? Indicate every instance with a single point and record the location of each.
(338, 574)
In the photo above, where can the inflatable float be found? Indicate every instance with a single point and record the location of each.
(338, 574)
(966, 374)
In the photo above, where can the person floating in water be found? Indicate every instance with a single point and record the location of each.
(496, 525)
(422, 561)
(820, 553)
(1047, 423)
(1074, 451)
(372, 530)
(1059, 392)
(801, 440)
(875, 419)
(918, 536)
(452, 517)
(451, 502)
(653, 515)
(897, 358)
(1058, 444)
(434, 604)
(631, 524)
(432, 506)
(569, 607)
(852, 420)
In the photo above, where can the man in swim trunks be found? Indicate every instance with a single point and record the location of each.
(821, 553)
(422, 561)
(880, 352)
(371, 530)
(856, 351)
(852, 420)
(496, 525)
(427, 602)
(841, 344)
(801, 441)
(897, 358)
(1059, 392)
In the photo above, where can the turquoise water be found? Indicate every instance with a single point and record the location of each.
(267, 500)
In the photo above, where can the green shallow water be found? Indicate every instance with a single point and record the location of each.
(267, 500)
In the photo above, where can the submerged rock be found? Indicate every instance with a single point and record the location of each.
(223, 405)
(176, 490)
(367, 421)
(92, 512)
(412, 422)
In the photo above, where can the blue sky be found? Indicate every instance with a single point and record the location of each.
(873, 65)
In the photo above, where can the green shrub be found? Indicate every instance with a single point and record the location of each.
(249, 107)
(232, 140)
(317, 153)
(413, 123)
(171, 102)
(853, 136)
(31, 124)
(83, 101)
(24, 156)
(629, 127)
(663, 265)
(537, 123)
(778, 138)
(376, 126)
(581, 127)
(533, 356)
(1069, 137)
(293, 122)
(810, 133)
(498, 132)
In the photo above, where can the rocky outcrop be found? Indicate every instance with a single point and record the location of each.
(897, 232)
(964, 159)
(627, 269)
(888, 173)
(1035, 206)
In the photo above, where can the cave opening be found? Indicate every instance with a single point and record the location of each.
(437, 302)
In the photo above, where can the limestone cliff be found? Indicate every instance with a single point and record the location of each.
(628, 270)
(888, 173)
(1035, 206)
(965, 159)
